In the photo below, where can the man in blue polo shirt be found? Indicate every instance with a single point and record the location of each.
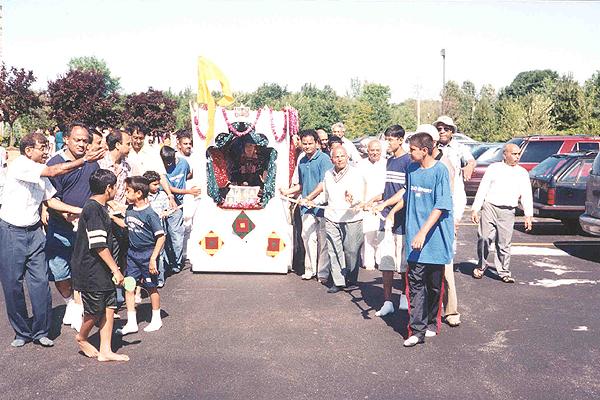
(73, 189)
(311, 171)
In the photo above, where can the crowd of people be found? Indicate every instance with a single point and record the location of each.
(103, 219)
(401, 215)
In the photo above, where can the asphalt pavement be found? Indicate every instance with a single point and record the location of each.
(246, 336)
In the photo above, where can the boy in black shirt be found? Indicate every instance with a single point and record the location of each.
(94, 267)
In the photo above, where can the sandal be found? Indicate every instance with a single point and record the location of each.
(478, 273)
(508, 279)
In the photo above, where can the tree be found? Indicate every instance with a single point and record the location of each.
(511, 119)
(268, 94)
(182, 109)
(569, 103)
(530, 81)
(484, 123)
(317, 108)
(82, 96)
(92, 63)
(538, 117)
(152, 110)
(16, 97)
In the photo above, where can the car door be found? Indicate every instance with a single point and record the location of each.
(592, 202)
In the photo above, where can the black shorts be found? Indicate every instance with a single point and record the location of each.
(95, 303)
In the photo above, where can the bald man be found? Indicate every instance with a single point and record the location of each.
(503, 185)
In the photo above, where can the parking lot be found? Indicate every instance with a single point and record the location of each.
(241, 336)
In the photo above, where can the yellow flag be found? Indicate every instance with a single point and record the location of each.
(207, 71)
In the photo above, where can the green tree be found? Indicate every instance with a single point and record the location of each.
(511, 119)
(317, 108)
(569, 103)
(92, 63)
(182, 108)
(538, 113)
(591, 112)
(484, 123)
(530, 81)
(268, 94)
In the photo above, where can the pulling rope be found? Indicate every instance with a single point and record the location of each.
(352, 207)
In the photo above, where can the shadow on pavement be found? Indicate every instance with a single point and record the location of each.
(583, 249)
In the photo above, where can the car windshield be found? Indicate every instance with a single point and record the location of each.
(491, 155)
(537, 151)
(548, 167)
(480, 149)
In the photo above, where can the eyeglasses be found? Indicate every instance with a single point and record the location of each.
(442, 128)
(42, 148)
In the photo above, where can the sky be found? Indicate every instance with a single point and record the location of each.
(396, 43)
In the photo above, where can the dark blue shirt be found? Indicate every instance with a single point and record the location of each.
(177, 176)
(395, 180)
(144, 227)
(311, 172)
(72, 188)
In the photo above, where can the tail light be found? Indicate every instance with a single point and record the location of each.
(551, 195)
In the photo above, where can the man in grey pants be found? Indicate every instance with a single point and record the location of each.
(344, 191)
(502, 186)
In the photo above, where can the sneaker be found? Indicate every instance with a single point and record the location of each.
(18, 343)
(44, 342)
(160, 284)
(430, 333)
(306, 277)
(334, 289)
(175, 270)
(412, 341)
(403, 302)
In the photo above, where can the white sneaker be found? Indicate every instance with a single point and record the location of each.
(306, 277)
(430, 333)
(412, 341)
(153, 326)
(403, 302)
(388, 308)
(68, 313)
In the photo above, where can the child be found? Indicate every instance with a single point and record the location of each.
(429, 237)
(94, 267)
(159, 201)
(146, 240)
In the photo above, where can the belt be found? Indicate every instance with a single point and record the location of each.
(22, 228)
(504, 207)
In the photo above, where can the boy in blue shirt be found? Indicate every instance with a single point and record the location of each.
(429, 238)
(146, 240)
(178, 171)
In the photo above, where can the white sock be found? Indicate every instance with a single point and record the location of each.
(388, 307)
(69, 310)
(403, 302)
(77, 316)
(155, 323)
(131, 325)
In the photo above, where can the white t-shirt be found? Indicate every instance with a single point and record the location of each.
(335, 186)
(24, 191)
(148, 159)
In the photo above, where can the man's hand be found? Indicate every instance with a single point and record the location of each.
(195, 191)
(95, 154)
(378, 208)
(45, 216)
(118, 277)
(172, 202)
(152, 267)
(475, 217)
(348, 197)
(467, 172)
(418, 241)
(528, 223)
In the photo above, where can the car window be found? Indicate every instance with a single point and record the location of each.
(537, 151)
(491, 155)
(548, 167)
(578, 172)
(596, 166)
(583, 146)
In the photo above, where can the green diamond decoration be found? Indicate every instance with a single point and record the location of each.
(242, 225)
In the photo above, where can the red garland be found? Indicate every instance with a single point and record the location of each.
(235, 131)
(274, 130)
(197, 126)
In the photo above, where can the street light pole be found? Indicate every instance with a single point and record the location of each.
(443, 54)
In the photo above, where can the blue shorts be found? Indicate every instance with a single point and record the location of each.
(59, 249)
(138, 262)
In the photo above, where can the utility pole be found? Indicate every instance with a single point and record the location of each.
(443, 54)
(1, 61)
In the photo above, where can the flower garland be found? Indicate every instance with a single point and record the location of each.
(197, 127)
(279, 138)
(235, 131)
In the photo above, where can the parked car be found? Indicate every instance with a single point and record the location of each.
(590, 219)
(559, 187)
(535, 149)
(481, 148)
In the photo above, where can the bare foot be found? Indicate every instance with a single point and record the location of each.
(86, 347)
(112, 357)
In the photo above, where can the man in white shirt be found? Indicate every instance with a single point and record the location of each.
(144, 158)
(22, 253)
(344, 190)
(502, 186)
(373, 169)
(338, 129)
